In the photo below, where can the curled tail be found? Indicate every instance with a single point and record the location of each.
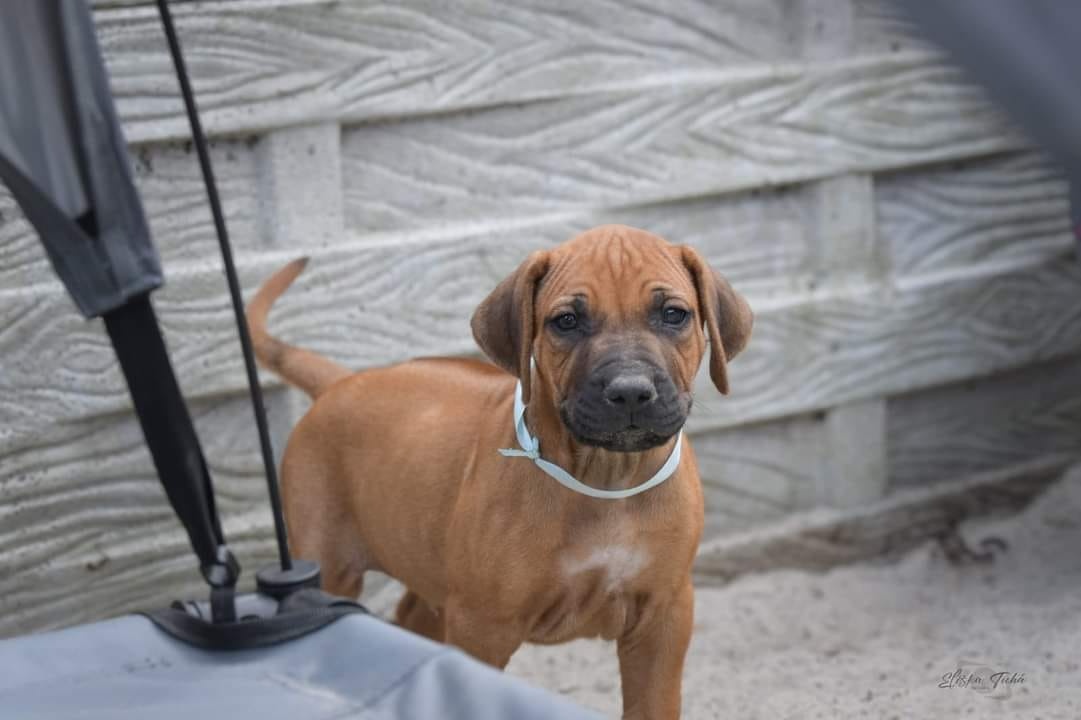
(308, 371)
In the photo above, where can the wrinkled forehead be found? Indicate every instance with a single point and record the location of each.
(615, 269)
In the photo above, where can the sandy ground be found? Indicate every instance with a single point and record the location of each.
(877, 641)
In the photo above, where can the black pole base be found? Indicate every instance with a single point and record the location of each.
(278, 583)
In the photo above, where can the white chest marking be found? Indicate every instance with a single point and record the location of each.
(621, 564)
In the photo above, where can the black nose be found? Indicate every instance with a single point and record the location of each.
(630, 393)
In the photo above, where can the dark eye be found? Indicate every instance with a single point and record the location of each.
(566, 321)
(674, 316)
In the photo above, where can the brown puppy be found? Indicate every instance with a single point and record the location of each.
(398, 468)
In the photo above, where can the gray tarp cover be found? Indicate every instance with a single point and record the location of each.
(358, 668)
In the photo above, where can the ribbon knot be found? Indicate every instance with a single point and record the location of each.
(515, 452)
(530, 448)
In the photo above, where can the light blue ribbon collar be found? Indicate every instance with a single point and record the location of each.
(530, 448)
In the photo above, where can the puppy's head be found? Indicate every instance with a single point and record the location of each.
(616, 320)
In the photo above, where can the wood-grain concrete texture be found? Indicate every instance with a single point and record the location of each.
(907, 253)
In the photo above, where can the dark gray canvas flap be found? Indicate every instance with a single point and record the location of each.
(63, 156)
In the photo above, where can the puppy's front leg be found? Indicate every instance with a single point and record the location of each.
(651, 660)
(416, 616)
(483, 636)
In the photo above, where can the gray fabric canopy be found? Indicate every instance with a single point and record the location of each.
(63, 156)
(1027, 54)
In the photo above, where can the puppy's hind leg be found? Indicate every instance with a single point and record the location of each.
(333, 542)
(319, 523)
(342, 578)
(342, 560)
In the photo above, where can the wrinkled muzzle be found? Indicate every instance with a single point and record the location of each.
(625, 406)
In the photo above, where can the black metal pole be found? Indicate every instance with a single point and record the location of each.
(199, 140)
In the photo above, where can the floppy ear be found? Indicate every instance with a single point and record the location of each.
(503, 323)
(727, 316)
